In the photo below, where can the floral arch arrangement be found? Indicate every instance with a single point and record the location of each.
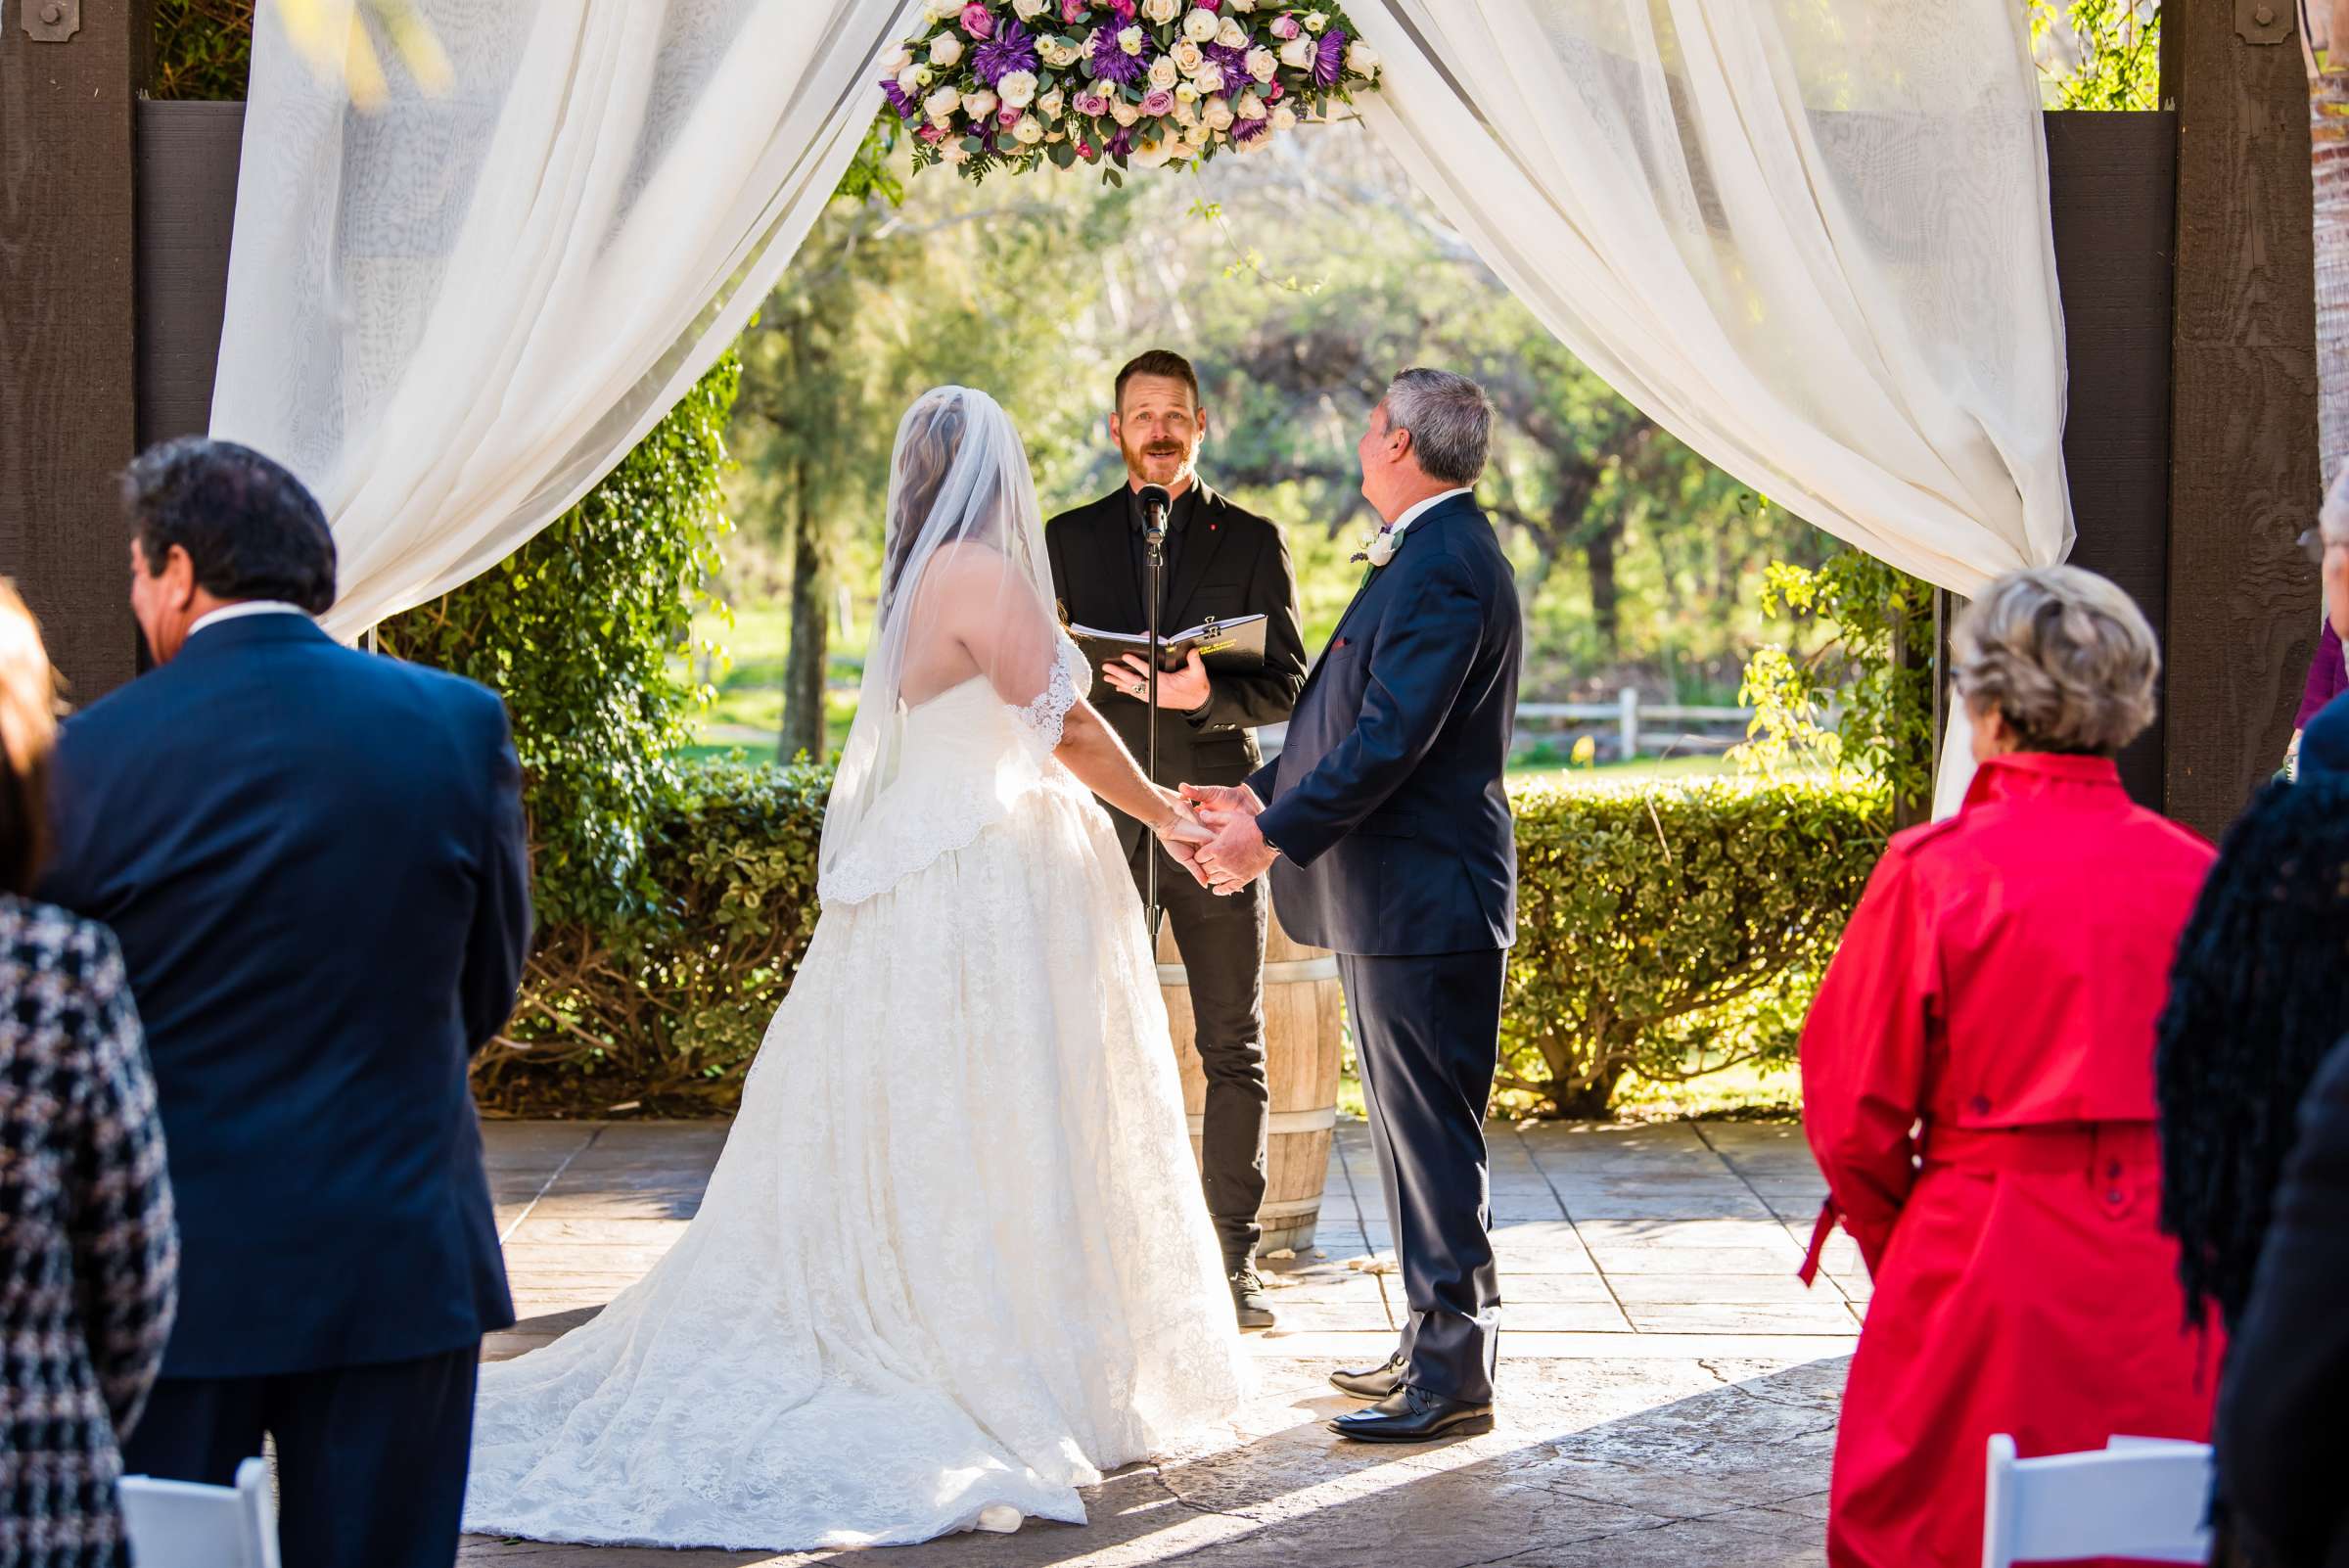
(1118, 83)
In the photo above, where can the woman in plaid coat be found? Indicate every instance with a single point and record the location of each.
(87, 1249)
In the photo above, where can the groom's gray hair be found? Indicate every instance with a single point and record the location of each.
(1450, 420)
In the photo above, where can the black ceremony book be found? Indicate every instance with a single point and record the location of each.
(1233, 646)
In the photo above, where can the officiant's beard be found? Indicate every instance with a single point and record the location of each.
(1160, 463)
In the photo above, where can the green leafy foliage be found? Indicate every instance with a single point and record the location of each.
(665, 1010)
(1872, 653)
(587, 632)
(1673, 929)
(1678, 930)
(2113, 58)
(203, 48)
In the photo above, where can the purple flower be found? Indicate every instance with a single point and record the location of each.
(1122, 143)
(1160, 101)
(901, 101)
(977, 20)
(1009, 50)
(1330, 61)
(1233, 63)
(1112, 64)
(1248, 131)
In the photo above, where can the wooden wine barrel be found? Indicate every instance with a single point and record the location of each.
(1304, 1014)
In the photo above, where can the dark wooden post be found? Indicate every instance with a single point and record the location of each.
(67, 360)
(2244, 458)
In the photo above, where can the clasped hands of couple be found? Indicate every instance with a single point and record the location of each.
(1210, 830)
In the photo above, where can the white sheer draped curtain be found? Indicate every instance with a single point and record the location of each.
(451, 314)
(1809, 237)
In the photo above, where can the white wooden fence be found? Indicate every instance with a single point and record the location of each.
(1632, 719)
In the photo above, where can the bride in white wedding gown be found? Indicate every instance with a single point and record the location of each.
(954, 1263)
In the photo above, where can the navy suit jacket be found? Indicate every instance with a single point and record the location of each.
(1386, 799)
(315, 861)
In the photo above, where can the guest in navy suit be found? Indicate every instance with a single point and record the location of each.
(1389, 839)
(314, 862)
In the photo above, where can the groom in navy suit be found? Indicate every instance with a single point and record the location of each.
(315, 861)
(1389, 839)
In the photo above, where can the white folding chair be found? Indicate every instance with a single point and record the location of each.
(2144, 1497)
(180, 1524)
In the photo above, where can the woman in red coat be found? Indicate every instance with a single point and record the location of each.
(1978, 1088)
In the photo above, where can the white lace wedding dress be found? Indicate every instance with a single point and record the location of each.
(954, 1257)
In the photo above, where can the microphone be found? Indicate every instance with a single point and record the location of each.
(1155, 501)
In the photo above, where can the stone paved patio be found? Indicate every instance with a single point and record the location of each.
(1667, 1389)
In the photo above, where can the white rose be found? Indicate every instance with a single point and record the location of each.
(1028, 9)
(1197, 135)
(941, 103)
(1362, 60)
(1018, 89)
(896, 62)
(1201, 26)
(1241, 5)
(1188, 56)
(1163, 72)
(1030, 130)
(954, 153)
(1210, 79)
(1050, 106)
(1249, 107)
(1058, 53)
(1186, 112)
(1283, 117)
(1298, 53)
(1314, 21)
(942, 10)
(1124, 113)
(1161, 12)
(1216, 112)
(945, 50)
(981, 104)
(1186, 92)
(1262, 64)
(910, 78)
(1130, 40)
(1231, 35)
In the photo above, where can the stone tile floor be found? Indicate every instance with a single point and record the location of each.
(1667, 1389)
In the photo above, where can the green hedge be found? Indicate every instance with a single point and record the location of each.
(1674, 930)
(1671, 929)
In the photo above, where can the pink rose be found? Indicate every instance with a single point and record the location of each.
(1161, 101)
(1092, 104)
(1273, 93)
(978, 20)
(1071, 11)
(933, 134)
(1124, 8)
(1008, 116)
(1285, 26)
(1208, 5)
(1084, 149)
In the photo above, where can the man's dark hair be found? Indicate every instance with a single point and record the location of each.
(1164, 362)
(252, 528)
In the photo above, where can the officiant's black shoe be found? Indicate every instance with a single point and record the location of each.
(1415, 1415)
(1371, 1382)
(1248, 1297)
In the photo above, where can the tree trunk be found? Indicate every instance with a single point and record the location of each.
(805, 666)
(2328, 137)
(1599, 545)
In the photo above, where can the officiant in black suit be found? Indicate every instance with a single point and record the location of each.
(1223, 562)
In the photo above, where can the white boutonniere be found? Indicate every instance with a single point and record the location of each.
(1380, 547)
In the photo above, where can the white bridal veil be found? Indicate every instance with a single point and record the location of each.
(966, 596)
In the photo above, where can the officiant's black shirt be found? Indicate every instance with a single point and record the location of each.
(1178, 521)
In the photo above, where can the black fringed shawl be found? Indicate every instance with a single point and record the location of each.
(2258, 995)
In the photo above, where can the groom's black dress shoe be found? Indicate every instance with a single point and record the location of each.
(1415, 1415)
(1371, 1382)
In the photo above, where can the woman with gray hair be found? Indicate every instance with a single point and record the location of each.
(1978, 1088)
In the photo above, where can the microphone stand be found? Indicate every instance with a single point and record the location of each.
(1155, 502)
